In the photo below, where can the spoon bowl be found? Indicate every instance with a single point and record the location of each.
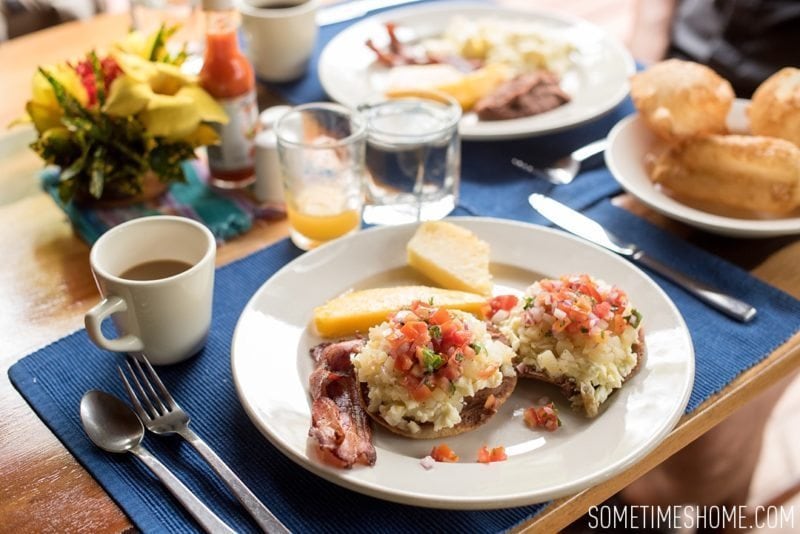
(109, 422)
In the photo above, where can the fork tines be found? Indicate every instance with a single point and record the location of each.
(156, 405)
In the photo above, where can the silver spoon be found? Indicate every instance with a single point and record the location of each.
(114, 427)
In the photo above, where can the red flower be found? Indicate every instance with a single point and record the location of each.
(108, 67)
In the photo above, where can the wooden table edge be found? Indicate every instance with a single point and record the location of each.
(778, 365)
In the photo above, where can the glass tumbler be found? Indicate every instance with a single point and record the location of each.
(321, 153)
(413, 158)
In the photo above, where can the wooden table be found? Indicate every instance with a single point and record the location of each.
(46, 287)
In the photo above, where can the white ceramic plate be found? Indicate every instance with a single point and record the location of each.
(629, 143)
(597, 81)
(271, 365)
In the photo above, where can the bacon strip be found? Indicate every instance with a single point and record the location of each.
(338, 422)
(397, 53)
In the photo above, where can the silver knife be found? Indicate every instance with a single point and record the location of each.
(582, 226)
(352, 10)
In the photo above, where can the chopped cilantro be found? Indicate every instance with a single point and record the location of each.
(635, 318)
(435, 332)
(528, 303)
(477, 347)
(459, 357)
(431, 360)
(430, 301)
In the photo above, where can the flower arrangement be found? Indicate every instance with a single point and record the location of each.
(109, 121)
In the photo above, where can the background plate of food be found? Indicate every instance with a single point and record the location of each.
(531, 460)
(634, 151)
(516, 73)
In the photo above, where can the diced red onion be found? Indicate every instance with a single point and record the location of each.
(428, 463)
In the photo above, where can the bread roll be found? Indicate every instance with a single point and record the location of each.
(680, 99)
(775, 109)
(760, 174)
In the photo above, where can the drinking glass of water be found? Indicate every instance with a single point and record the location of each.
(321, 152)
(413, 159)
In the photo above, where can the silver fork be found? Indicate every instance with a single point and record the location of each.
(564, 170)
(162, 415)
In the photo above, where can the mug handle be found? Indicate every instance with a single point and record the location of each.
(99, 313)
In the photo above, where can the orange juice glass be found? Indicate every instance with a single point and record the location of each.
(321, 151)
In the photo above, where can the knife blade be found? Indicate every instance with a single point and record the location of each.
(576, 223)
(352, 10)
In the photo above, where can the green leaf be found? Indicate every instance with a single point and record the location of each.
(158, 42)
(166, 158)
(98, 174)
(76, 167)
(99, 78)
(67, 189)
(177, 59)
(56, 146)
(68, 102)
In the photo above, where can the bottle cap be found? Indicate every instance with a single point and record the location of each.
(218, 5)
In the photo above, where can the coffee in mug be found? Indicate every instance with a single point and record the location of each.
(156, 277)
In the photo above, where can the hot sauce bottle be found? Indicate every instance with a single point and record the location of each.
(228, 76)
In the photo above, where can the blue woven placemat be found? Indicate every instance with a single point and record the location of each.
(54, 378)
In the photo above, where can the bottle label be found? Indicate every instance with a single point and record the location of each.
(236, 149)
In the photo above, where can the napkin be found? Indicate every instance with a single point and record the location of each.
(227, 214)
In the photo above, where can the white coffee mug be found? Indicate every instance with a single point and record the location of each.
(158, 309)
(279, 36)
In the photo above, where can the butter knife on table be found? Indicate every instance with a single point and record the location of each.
(343, 10)
(582, 226)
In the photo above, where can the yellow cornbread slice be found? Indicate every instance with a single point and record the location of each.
(467, 89)
(357, 311)
(451, 256)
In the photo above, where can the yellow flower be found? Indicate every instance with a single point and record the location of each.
(148, 46)
(137, 43)
(169, 102)
(43, 107)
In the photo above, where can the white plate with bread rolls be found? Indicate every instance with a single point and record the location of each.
(695, 154)
(596, 79)
(271, 368)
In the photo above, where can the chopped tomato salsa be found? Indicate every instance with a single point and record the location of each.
(501, 302)
(496, 454)
(542, 417)
(443, 453)
(428, 345)
(577, 305)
